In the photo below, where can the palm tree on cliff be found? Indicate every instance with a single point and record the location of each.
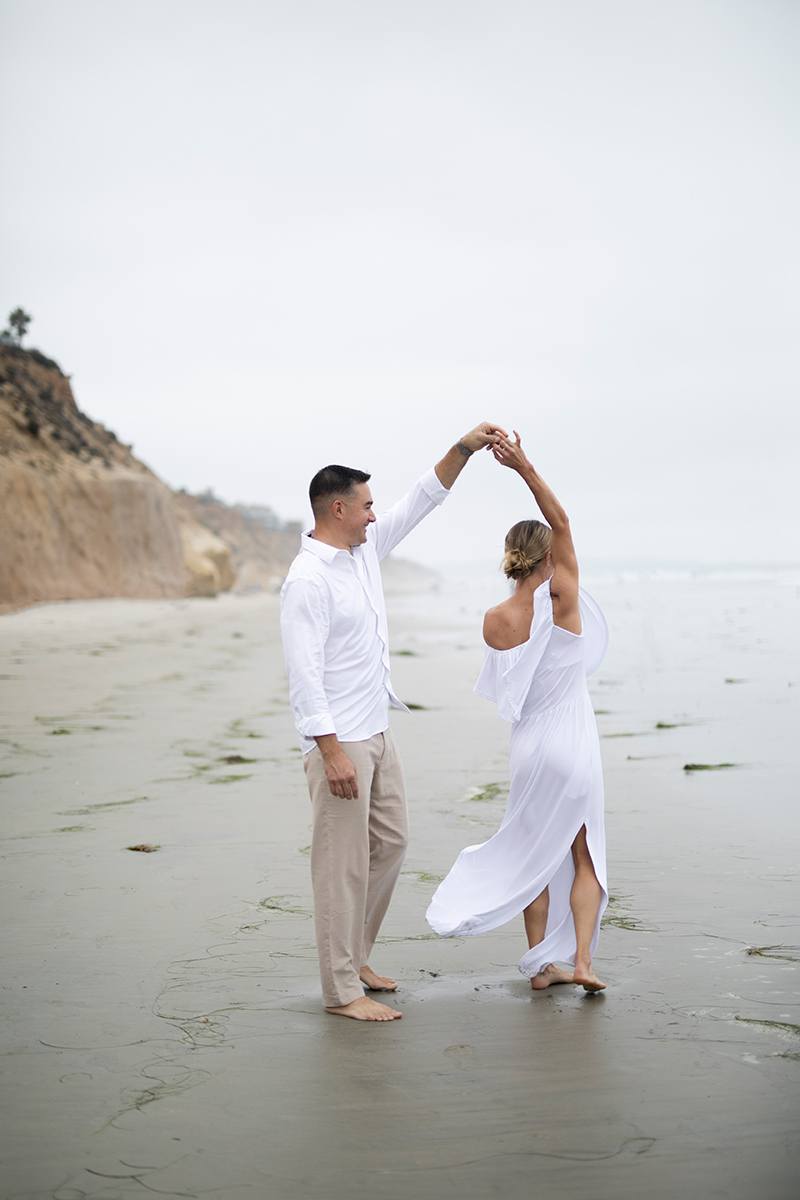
(18, 322)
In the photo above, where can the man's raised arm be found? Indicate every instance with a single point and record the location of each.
(431, 490)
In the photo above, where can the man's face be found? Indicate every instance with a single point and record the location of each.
(357, 514)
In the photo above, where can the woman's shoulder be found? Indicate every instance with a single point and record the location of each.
(506, 625)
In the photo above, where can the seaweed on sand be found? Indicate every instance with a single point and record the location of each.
(617, 915)
(237, 729)
(784, 1026)
(424, 876)
(489, 791)
(280, 904)
(90, 809)
(783, 953)
(708, 766)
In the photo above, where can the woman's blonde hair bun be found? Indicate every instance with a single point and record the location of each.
(527, 544)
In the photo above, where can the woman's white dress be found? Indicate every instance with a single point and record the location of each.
(556, 787)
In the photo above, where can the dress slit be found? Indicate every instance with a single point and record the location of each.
(559, 942)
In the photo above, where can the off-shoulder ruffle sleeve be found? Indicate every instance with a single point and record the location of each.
(507, 675)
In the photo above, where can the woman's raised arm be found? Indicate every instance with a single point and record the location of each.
(564, 582)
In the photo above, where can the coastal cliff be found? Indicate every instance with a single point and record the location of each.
(82, 517)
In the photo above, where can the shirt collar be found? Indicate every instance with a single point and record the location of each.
(321, 549)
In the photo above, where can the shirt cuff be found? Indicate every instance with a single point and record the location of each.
(433, 487)
(316, 726)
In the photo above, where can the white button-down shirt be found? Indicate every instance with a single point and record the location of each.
(334, 628)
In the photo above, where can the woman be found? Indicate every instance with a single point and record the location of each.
(547, 860)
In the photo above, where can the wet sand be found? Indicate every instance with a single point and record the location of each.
(162, 1027)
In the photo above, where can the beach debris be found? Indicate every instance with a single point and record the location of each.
(723, 766)
(280, 904)
(416, 707)
(235, 759)
(144, 847)
(404, 653)
(489, 791)
(237, 729)
(229, 778)
(89, 809)
(415, 937)
(734, 679)
(632, 924)
(458, 1050)
(62, 730)
(672, 724)
(617, 915)
(784, 1026)
(784, 953)
(424, 876)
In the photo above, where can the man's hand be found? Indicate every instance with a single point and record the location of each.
(339, 770)
(484, 435)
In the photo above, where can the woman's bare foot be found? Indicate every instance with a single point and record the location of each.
(374, 982)
(549, 975)
(365, 1009)
(585, 976)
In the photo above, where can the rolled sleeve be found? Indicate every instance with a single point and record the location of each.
(315, 726)
(433, 487)
(304, 628)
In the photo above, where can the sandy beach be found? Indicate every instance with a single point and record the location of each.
(162, 1024)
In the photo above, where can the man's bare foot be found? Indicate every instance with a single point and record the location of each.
(550, 974)
(374, 982)
(365, 1009)
(585, 976)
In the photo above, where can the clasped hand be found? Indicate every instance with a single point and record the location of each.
(510, 454)
(483, 436)
(487, 436)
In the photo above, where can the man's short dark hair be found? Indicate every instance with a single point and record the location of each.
(333, 481)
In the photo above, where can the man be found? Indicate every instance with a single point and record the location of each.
(336, 643)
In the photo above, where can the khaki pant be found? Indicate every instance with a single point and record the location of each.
(357, 849)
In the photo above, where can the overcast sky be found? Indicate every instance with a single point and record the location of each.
(263, 236)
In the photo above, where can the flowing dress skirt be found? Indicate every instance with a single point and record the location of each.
(556, 788)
